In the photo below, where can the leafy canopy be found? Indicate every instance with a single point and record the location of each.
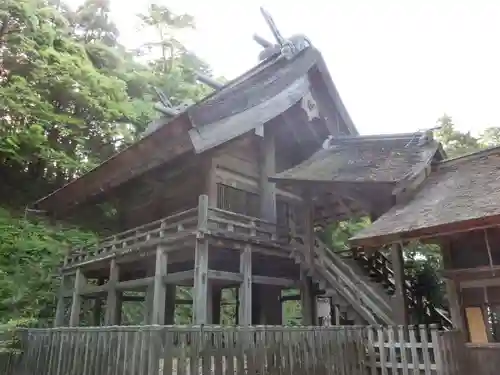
(70, 97)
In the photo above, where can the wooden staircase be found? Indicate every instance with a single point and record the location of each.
(360, 285)
(355, 298)
(378, 268)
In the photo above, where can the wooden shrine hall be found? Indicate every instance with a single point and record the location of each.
(228, 193)
(457, 207)
(190, 203)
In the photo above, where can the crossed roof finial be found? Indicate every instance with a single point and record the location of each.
(272, 25)
(287, 48)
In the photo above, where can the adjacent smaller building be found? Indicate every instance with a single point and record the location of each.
(457, 207)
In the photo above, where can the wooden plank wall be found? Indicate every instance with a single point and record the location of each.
(169, 350)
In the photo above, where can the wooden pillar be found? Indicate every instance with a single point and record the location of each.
(113, 301)
(148, 304)
(309, 227)
(336, 312)
(60, 308)
(159, 288)
(97, 307)
(268, 168)
(400, 306)
(454, 304)
(201, 265)
(210, 181)
(74, 319)
(245, 293)
(216, 304)
(171, 290)
(306, 297)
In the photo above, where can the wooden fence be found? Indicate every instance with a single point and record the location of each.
(484, 358)
(9, 361)
(170, 350)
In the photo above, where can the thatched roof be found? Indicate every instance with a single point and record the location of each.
(384, 159)
(459, 195)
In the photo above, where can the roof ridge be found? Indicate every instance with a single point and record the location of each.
(377, 137)
(470, 156)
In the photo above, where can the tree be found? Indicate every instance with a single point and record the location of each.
(165, 24)
(490, 137)
(70, 97)
(455, 142)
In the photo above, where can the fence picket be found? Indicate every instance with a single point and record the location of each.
(415, 360)
(196, 350)
(424, 338)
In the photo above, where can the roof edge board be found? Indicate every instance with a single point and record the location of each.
(212, 135)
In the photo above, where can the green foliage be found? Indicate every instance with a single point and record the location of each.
(337, 234)
(71, 96)
(30, 253)
(457, 143)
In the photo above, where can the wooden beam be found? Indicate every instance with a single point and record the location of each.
(245, 293)
(159, 289)
(95, 290)
(426, 233)
(400, 307)
(211, 179)
(74, 319)
(458, 272)
(225, 276)
(268, 168)
(113, 302)
(456, 312)
(276, 281)
(178, 277)
(148, 298)
(309, 228)
(60, 308)
(97, 307)
(148, 305)
(136, 284)
(201, 265)
(481, 283)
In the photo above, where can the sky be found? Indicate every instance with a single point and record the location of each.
(398, 64)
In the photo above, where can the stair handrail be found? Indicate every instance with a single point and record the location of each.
(430, 308)
(351, 275)
(326, 258)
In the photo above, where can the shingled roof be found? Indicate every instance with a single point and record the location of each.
(247, 102)
(459, 195)
(384, 159)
